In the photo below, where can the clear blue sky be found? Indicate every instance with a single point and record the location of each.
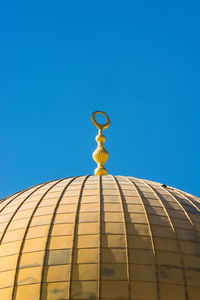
(139, 61)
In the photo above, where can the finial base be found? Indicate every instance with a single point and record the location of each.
(100, 171)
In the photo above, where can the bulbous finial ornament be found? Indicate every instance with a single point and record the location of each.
(100, 155)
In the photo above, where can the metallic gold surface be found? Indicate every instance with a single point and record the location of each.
(100, 155)
(100, 237)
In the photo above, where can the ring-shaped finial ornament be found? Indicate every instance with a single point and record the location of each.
(100, 126)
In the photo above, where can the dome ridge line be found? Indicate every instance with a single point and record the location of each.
(175, 236)
(151, 236)
(74, 234)
(9, 201)
(121, 195)
(5, 230)
(14, 290)
(50, 231)
(188, 199)
(16, 195)
(171, 193)
(100, 237)
(184, 210)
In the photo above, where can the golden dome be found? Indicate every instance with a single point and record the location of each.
(100, 237)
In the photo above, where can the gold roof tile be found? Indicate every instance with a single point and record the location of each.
(109, 237)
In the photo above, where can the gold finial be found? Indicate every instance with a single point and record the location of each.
(100, 155)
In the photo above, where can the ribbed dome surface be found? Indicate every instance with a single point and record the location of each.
(93, 237)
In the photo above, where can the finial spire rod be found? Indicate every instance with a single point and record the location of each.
(100, 155)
